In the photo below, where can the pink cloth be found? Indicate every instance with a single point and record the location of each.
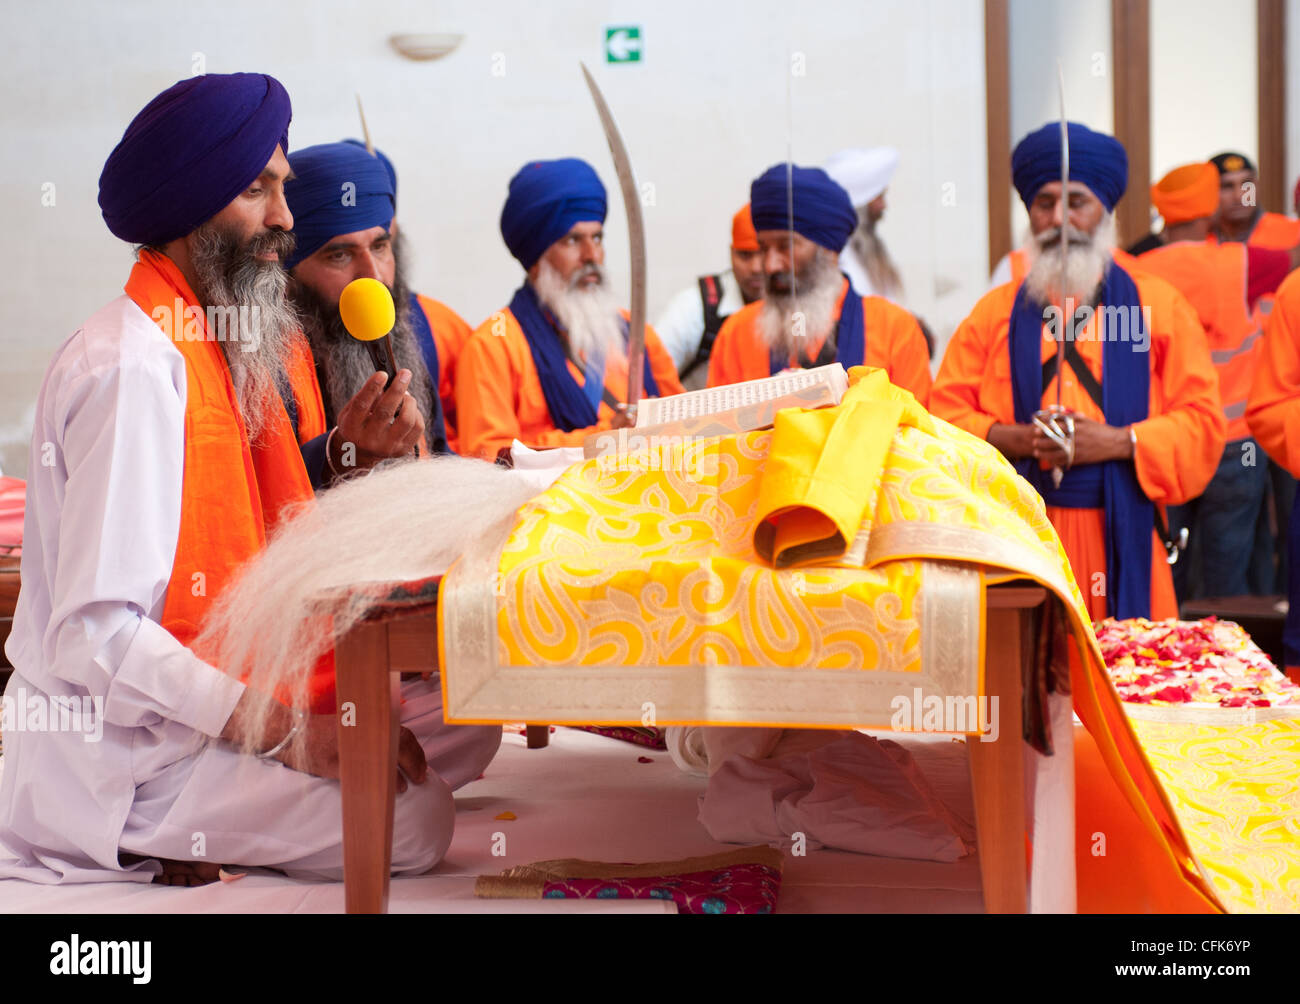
(739, 888)
(13, 501)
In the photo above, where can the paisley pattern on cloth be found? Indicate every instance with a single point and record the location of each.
(801, 576)
(747, 880)
(1236, 789)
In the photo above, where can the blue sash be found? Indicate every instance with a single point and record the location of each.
(1126, 388)
(437, 435)
(571, 407)
(1291, 629)
(850, 338)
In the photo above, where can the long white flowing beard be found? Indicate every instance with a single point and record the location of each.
(589, 313)
(787, 322)
(339, 555)
(1084, 264)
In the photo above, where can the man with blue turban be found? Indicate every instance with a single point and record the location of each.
(172, 431)
(343, 201)
(551, 368)
(1138, 380)
(809, 314)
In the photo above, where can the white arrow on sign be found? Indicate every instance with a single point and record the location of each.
(622, 44)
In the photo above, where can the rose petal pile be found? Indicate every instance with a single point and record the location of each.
(1205, 662)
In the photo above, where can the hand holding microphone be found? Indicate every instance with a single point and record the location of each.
(382, 420)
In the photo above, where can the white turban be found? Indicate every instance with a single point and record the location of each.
(864, 174)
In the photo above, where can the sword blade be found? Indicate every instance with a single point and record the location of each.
(365, 130)
(1067, 317)
(635, 239)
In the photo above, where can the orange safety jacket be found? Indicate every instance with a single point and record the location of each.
(1214, 278)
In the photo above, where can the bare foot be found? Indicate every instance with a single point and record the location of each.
(187, 873)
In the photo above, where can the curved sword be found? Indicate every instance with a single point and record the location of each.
(1056, 424)
(1067, 315)
(636, 243)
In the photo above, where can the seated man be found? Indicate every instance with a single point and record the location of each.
(809, 315)
(551, 369)
(690, 323)
(171, 426)
(339, 240)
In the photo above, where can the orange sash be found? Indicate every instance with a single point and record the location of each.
(232, 494)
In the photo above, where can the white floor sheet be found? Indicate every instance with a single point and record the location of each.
(585, 796)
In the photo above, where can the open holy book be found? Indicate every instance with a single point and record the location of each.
(720, 411)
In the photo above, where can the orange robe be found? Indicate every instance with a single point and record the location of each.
(892, 337)
(450, 333)
(499, 394)
(1178, 447)
(1273, 230)
(1273, 412)
(1273, 409)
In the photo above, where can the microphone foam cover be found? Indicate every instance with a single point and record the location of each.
(367, 309)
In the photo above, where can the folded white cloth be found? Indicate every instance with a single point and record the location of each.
(836, 789)
(542, 468)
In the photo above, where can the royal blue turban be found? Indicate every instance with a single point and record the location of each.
(191, 150)
(823, 211)
(1096, 160)
(383, 159)
(547, 197)
(337, 188)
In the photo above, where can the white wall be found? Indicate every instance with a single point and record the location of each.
(1204, 98)
(703, 114)
(1043, 33)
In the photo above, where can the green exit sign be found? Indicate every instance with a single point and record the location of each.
(623, 44)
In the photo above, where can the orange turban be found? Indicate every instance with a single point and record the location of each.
(743, 235)
(1187, 193)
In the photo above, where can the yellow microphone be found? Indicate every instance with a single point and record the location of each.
(367, 310)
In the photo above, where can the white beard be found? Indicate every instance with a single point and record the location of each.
(589, 314)
(787, 322)
(1085, 264)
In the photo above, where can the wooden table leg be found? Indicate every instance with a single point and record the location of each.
(539, 736)
(368, 696)
(998, 768)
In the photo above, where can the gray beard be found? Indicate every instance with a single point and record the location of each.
(256, 325)
(870, 249)
(345, 363)
(789, 322)
(592, 323)
(1085, 264)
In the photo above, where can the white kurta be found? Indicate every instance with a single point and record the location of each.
(681, 325)
(99, 538)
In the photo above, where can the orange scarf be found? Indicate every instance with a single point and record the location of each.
(232, 494)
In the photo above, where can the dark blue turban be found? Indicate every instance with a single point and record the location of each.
(191, 150)
(1096, 160)
(337, 188)
(823, 211)
(547, 197)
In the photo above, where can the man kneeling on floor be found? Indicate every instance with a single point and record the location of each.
(172, 431)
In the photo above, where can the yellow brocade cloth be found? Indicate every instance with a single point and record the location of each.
(803, 576)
